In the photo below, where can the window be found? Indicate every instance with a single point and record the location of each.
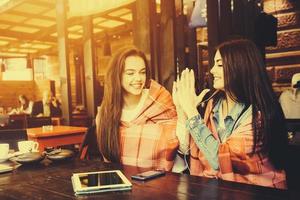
(39, 68)
(15, 69)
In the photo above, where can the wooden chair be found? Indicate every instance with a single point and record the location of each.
(81, 119)
(293, 125)
(293, 164)
(33, 122)
(12, 137)
(89, 147)
(17, 121)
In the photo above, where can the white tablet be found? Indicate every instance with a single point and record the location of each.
(101, 181)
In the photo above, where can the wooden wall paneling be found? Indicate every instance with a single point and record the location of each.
(10, 90)
(141, 25)
(89, 66)
(145, 31)
(72, 75)
(79, 74)
(226, 19)
(167, 70)
(155, 42)
(212, 31)
(179, 36)
(284, 74)
(272, 6)
(252, 10)
(203, 70)
(63, 54)
(40, 86)
(180, 43)
(288, 20)
(285, 57)
(287, 40)
(191, 44)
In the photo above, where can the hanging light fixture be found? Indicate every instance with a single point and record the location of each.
(2, 67)
(106, 46)
(29, 62)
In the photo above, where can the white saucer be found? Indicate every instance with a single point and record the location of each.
(4, 159)
(5, 168)
(10, 155)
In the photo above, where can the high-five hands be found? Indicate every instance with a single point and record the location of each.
(184, 95)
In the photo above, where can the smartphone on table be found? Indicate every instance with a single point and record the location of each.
(148, 175)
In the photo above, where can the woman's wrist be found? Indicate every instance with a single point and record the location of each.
(192, 113)
(181, 114)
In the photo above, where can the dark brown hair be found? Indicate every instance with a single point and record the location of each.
(111, 107)
(26, 104)
(247, 82)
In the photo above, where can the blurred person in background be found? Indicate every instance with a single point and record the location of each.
(48, 107)
(25, 106)
(290, 99)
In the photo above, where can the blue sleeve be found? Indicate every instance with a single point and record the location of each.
(204, 140)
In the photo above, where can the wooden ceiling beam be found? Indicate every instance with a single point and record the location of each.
(44, 34)
(11, 4)
(117, 18)
(51, 51)
(26, 36)
(5, 57)
(17, 44)
(128, 6)
(49, 4)
(30, 15)
(20, 24)
(110, 32)
(14, 52)
(101, 27)
(114, 31)
(52, 29)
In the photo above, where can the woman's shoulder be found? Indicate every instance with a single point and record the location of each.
(158, 91)
(154, 85)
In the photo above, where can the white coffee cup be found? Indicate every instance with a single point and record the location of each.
(28, 146)
(4, 149)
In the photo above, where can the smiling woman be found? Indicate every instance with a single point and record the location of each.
(241, 136)
(136, 122)
(133, 76)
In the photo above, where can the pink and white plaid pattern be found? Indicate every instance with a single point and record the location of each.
(150, 139)
(236, 162)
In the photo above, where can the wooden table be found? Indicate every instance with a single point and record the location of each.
(53, 181)
(60, 135)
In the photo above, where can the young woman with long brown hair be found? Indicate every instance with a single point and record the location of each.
(25, 106)
(242, 136)
(136, 121)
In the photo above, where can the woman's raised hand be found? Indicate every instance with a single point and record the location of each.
(180, 113)
(186, 96)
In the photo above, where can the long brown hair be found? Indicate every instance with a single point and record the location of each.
(108, 133)
(247, 82)
(26, 104)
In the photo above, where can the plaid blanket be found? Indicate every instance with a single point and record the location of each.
(150, 139)
(236, 161)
